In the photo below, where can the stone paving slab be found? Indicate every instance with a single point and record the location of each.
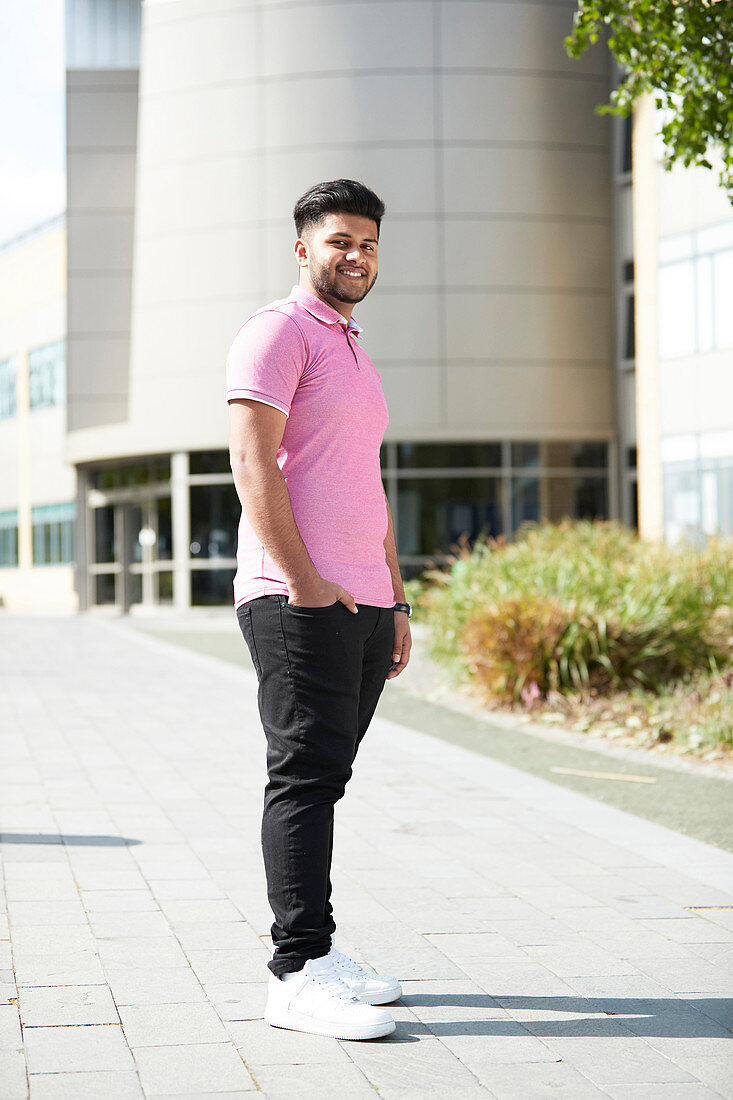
(548, 944)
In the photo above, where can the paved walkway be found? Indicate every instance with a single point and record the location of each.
(548, 945)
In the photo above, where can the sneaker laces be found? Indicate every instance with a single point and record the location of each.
(344, 962)
(334, 985)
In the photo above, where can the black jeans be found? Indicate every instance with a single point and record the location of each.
(321, 671)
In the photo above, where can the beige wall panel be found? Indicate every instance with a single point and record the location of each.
(697, 394)
(180, 343)
(526, 254)
(408, 254)
(192, 414)
(98, 241)
(8, 465)
(103, 118)
(516, 108)
(199, 195)
(101, 181)
(557, 401)
(552, 326)
(348, 104)
(45, 588)
(512, 35)
(192, 53)
(159, 12)
(627, 417)
(690, 198)
(624, 224)
(99, 303)
(543, 182)
(347, 36)
(33, 280)
(403, 177)
(185, 268)
(100, 368)
(207, 122)
(279, 269)
(400, 326)
(51, 481)
(413, 394)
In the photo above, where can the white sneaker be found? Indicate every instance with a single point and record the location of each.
(317, 1001)
(370, 988)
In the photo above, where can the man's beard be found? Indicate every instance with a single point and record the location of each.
(329, 288)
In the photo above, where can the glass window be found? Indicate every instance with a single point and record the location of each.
(130, 474)
(677, 310)
(105, 549)
(210, 587)
(8, 538)
(104, 584)
(715, 238)
(209, 462)
(8, 402)
(433, 513)
(417, 456)
(525, 454)
(629, 345)
(554, 498)
(560, 454)
(676, 248)
(723, 299)
(215, 512)
(53, 534)
(47, 375)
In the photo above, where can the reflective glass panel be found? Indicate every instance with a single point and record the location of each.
(215, 511)
(434, 512)
(104, 534)
(416, 456)
(211, 587)
(209, 462)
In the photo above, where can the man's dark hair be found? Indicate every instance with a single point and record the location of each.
(336, 197)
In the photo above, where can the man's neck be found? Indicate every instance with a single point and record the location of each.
(344, 308)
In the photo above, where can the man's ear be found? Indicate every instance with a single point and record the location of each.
(301, 252)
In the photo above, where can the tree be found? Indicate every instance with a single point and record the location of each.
(681, 51)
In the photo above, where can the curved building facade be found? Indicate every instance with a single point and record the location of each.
(491, 321)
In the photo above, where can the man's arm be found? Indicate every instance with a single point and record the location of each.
(390, 550)
(256, 430)
(402, 635)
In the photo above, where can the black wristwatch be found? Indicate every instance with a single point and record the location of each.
(406, 607)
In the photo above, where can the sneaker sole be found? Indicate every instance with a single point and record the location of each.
(386, 997)
(294, 1021)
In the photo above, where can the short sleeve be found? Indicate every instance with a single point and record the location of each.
(266, 360)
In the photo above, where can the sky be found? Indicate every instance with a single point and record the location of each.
(32, 114)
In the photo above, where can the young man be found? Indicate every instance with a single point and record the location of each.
(318, 592)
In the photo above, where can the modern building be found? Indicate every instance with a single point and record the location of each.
(502, 321)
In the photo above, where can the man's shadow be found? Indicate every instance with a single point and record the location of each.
(597, 1016)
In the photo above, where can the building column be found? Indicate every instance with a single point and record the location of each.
(82, 541)
(22, 412)
(181, 524)
(648, 432)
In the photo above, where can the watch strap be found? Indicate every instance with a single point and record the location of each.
(406, 607)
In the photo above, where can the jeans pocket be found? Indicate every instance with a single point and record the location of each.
(299, 609)
(244, 617)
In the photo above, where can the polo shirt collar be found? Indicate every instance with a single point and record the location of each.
(322, 311)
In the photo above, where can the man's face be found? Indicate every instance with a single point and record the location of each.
(340, 254)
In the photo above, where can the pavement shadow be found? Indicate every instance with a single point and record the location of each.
(67, 838)
(595, 1016)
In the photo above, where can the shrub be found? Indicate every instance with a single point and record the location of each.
(580, 605)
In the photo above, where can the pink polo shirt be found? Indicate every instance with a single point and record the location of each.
(301, 356)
